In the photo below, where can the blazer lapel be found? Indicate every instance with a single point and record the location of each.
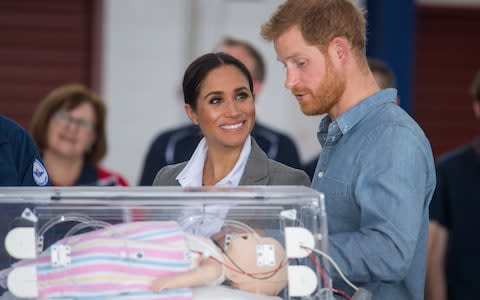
(256, 170)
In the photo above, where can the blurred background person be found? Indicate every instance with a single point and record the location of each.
(20, 162)
(177, 145)
(384, 77)
(69, 129)
(454, 243)
(383, 74)
(20, 165)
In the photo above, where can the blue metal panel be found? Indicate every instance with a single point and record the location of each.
(391, 38)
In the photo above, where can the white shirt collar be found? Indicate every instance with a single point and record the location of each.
(192, 174)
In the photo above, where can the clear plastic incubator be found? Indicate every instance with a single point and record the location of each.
(242, 243)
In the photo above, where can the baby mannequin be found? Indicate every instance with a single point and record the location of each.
(264, 273)
(251, 263)
(142, 259)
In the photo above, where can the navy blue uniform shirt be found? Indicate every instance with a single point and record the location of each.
(455, 206)
(20, 165)
(20, 162)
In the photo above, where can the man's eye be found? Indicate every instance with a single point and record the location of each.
(300, 64)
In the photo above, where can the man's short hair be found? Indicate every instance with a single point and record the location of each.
(379, 67)
(320, 21)
(259, 67)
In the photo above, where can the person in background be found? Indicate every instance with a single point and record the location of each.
(454, 243)
(383, 74)
(384, 77)
(69, 129)
(177, 145)
(20, 162)
(20, 165)
(219, 99)
(376, 166)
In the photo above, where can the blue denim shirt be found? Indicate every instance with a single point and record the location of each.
(377, 172)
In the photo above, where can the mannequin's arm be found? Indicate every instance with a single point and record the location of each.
(208, 271)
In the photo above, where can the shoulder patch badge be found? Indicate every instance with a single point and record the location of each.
(40, 174)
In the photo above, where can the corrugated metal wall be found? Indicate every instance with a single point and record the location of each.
(447, 57)
(43, 44)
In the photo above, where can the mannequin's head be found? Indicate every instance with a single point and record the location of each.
(256, 264)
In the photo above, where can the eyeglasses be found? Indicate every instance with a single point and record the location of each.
(82, 123)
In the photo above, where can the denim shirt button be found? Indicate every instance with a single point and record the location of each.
(320, 174)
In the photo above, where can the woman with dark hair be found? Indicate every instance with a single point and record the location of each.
(218, 95)
(69, 129)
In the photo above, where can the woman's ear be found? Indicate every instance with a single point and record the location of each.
(191, 113)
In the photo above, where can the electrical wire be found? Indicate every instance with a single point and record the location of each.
(323, 254)
(240, 225)
(64, 218)
(253, 275)
(325, 279)
(236, 268)
(342, 293)
(320, 270)
(91, 224)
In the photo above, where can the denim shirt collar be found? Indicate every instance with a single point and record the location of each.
(332, 131)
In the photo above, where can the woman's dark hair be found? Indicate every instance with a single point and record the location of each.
(198, 70)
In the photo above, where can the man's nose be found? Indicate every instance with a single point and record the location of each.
(291, 80)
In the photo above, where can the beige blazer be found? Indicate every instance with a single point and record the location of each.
(260, 170)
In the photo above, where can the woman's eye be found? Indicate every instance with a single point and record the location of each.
(242, 96)
(215, 100)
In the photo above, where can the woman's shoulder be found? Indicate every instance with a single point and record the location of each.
(290, 175)
(278, 173)
(168, 174)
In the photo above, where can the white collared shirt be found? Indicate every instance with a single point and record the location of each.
(192, 174)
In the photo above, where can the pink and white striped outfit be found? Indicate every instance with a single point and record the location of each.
(117, 262)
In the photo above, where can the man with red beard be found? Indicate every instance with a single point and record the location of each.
(376, 166)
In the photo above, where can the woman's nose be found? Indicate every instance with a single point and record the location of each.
(232, 108)
(71, 126)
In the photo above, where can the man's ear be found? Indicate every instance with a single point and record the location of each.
(257, 86)
(476, 109)
(339, 49)
(191, 113)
